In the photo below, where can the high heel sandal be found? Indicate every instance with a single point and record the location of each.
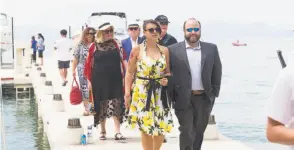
(102, 135)
(119, 136)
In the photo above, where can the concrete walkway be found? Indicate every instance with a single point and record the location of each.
(59, 135)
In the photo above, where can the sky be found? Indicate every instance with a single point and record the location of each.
(57, 14)
(63, 12)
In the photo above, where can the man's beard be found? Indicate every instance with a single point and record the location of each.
(191, 39)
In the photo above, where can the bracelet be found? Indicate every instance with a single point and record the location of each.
(128, 95)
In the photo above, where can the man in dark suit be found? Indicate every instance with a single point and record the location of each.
(195, 83)
(133, 40)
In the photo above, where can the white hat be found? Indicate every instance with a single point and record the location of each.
(104, 25)
(133, 24)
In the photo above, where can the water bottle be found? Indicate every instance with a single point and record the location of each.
(83, 139)
(90, 134)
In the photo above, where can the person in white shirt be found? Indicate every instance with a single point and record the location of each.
(64, 54)
(280, 125)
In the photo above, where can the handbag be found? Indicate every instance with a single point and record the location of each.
(75, 93)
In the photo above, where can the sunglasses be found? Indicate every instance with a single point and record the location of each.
(191, 29)
(92, 33)
(163, 23)
(133, 28)
(108, 31)
(151, 30)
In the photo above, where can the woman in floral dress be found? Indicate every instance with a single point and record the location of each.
(81, 53)
(148, 109)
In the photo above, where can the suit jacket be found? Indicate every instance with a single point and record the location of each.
(180, 83)
(127, 46)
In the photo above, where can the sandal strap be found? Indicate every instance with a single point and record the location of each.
(119, 135)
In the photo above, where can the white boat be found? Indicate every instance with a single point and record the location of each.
(117, 19)
(6, 43)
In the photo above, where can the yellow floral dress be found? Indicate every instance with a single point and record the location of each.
(156, 119)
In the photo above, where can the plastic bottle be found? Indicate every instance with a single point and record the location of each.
(83, 139)
(90, 134)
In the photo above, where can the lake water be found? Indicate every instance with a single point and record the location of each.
(23, 128)
(248, 76)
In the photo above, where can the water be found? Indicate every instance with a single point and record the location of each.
(23, 127)
(248, 76)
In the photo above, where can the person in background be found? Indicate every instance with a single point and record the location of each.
(133, 40)
(41, 47)
(165, 39)
(34, 48)
(148, 109)
(104, 68)
(80, 56)
(63, 48)
(280, 118)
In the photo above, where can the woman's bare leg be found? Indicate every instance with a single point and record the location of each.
(157, 142)
(147, 141)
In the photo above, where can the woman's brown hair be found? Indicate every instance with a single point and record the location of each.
(151, 21)
(85, 33)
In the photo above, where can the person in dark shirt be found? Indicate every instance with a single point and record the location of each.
(165, 38)
(34, 48)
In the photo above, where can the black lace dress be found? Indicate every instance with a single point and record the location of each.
(107, 83)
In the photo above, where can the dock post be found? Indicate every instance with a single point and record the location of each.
(58, 103)
(211, 132)
(75, 131)
(48, 89)
(42, 78)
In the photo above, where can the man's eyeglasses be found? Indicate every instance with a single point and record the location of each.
(151, 30)
(191, 29)
(133, 28)
(108, 31)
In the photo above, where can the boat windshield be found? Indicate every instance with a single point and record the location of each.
(3, 20)
(118, 22)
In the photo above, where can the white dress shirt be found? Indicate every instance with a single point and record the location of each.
(134, 43)
(194, 58)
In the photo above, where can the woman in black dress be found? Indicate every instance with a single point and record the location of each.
(104, 68)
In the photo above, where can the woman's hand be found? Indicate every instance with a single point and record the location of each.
(163, 81)
(89, 85)
(127, 101)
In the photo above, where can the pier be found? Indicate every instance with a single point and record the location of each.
(64, 123)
